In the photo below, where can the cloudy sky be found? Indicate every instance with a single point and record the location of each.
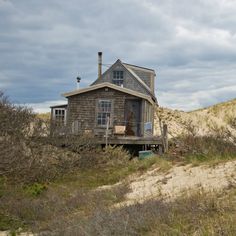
(45, 44)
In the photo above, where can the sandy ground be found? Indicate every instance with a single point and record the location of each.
(180, 180)
(177, 181)
(8, 233)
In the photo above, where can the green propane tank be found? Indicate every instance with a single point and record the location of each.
(145, 154)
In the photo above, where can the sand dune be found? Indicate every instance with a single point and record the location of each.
(211, 120)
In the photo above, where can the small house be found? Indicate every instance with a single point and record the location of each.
(121, 100)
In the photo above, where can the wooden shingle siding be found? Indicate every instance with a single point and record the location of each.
(82, 107)
(129, 81)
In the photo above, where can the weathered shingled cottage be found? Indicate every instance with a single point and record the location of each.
(122, 99)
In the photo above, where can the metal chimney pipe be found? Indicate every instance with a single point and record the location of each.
(99, 65)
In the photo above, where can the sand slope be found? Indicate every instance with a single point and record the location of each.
(181, 180)
(211, 120)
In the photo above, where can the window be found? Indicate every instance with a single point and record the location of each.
(118, 77)
(104, 111)
(60, 116)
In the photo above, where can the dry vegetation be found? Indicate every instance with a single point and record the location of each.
(55, 185)
(218, 119)
(199, 214)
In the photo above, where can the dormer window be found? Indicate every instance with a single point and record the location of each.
(118, 77)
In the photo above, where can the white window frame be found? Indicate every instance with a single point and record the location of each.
(59, 109)
(117, 78)
(104, 112)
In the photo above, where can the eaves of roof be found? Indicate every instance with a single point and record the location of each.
(59, 106)
(109, 85)
(140, 68)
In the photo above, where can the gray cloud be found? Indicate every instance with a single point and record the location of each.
(190, 44)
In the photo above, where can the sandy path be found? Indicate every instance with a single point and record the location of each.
(8, 233)
(179, 180)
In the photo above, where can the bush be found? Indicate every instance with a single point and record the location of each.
(199, 214)
(35, 189)
(14, 131)
(15, 120)
(74, 143)
(24, 158)
(202, 148)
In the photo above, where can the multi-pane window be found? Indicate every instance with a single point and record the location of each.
(59, 116)
(104, 111)
(118, 77)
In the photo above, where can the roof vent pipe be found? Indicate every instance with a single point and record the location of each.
(99, 65)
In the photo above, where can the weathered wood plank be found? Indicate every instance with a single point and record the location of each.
(132, 140)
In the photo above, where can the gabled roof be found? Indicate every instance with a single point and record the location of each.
(137, 78)
(140, 68)
(108, 85)
(128, 67)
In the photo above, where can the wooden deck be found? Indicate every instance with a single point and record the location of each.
(132, 140)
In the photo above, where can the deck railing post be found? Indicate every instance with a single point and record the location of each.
(165, 137)
(107, 129)
(162, 136)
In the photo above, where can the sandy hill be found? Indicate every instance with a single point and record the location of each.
(180, 180)
(217, 119)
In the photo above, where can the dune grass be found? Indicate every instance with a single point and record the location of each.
(198, 214)
(72, 192)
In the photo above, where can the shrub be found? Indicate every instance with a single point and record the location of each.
(202, 148)
(24, 158)
(35, 189)
(75, 143)
(199, 214)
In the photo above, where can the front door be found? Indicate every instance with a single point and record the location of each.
(132, 117)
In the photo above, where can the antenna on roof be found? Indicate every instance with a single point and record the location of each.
(78, 79)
